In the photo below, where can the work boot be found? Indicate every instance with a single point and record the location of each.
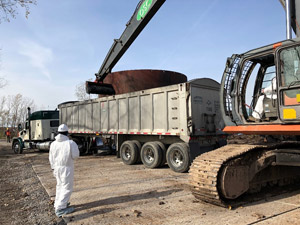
(59, 213)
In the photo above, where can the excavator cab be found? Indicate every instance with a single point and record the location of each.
(260, 95)
(265, 81)
(262, 86)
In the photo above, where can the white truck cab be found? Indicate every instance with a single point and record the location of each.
(37, 132)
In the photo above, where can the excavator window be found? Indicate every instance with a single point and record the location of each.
(259, 76)
(290, 75)
(268, 77)
(249, 88)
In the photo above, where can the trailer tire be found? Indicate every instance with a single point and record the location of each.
(17, 147)
(139, 146)
(164, 152)
(151, 155)
(178, 157)
(129, 152)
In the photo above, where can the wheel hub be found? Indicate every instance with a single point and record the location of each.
(127, 153)
(149, 155)
(177, 158)
(16, 148)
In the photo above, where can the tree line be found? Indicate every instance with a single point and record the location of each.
(9, 8)
(13, 110)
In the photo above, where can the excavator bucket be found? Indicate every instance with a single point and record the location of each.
(99, 88)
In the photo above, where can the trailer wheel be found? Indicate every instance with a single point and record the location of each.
(178, 157)
(151, 155)
(129, 152)
(164, 152)
(17, 147)
(139, 146)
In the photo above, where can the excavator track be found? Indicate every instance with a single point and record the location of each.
(206, 170)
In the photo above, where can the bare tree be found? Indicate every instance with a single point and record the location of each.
(80, 92)
(13, 110)
(8, 8)
(7, 113)
(25, 103)
(2, 111)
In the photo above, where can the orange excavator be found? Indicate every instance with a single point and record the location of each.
(260, 95)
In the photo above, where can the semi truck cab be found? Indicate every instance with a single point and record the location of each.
(37, 132)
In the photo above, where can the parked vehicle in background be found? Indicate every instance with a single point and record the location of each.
(37, 132)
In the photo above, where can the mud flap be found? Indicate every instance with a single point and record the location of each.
(196, 149)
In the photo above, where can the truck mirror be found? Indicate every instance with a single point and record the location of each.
(20, 127)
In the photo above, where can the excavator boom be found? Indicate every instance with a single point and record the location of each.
(143, 13)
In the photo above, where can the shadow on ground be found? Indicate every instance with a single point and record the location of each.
(115, 201)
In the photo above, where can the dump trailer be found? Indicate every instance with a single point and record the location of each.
(174, 123)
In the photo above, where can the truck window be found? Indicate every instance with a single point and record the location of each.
(54, 123)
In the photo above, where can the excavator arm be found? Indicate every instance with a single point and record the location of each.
(143, 13)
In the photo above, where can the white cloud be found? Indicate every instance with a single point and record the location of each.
(39, 56)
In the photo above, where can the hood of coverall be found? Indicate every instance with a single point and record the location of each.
(61, 137)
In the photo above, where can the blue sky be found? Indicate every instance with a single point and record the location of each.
(63, 43)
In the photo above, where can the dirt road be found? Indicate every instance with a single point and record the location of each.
(108, 192)
(23, 199)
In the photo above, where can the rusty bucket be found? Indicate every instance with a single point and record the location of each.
(136, 80)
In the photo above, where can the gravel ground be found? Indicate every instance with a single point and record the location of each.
(23, 199)
(108, 192)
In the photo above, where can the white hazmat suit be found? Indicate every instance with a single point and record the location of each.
(61, 156)
(269, 93)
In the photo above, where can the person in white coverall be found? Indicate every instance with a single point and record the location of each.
(269, 93)
(61, 156)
